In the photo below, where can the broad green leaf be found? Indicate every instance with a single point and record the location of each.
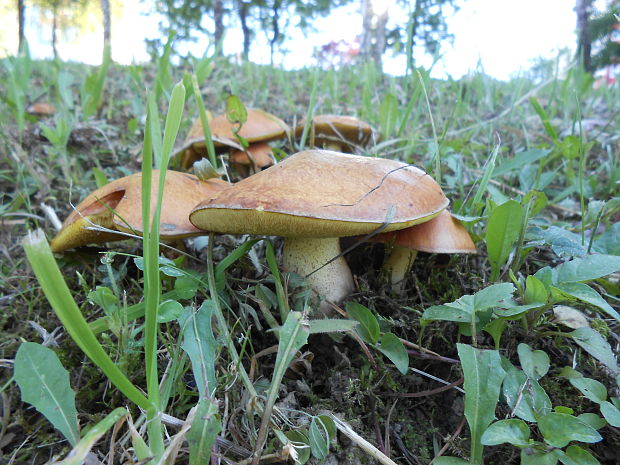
(200, 346)
(590, 388)
(592, 342)
(394, 349)
(611, 413)
(483, 374)
(105, 298)
(593, 420)
(302, 445)
(368, 325)
(318, 436)
(523, 395)
(235, 110)
(81, 451)
(536, 457)
(535, 363)
(585, 293)
(464, 309)
(520, 160)
(559, 429)
(581, 456)
(44, 383)
(515, 432)
(535, 291)
(496, 328)
(169, 310)
(502, 232)
(587, 268)
(203, 432)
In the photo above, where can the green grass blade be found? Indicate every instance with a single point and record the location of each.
(55, 288)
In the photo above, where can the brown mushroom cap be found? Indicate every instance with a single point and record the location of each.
(259, 127)
(182, 192)
(319, 193)
(442, 234)
(41, 109)
(343, 131)
(261, 153)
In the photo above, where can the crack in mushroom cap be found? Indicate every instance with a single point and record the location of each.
(320, 193)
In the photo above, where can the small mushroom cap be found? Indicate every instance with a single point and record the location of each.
(259, 127)
(182, 192)
(41, 109)
(320, 193)
(442, 234)
(261, 152)
(345, 130)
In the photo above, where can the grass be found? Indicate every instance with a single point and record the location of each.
(546, 143)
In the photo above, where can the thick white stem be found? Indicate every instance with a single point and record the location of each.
(305, 256)
(397, 265)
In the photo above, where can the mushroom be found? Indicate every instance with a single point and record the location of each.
(262, 157)
(340, 133)
(260, 126)
(41, 109)
(316, 196)
(117, 206)
(442, 234)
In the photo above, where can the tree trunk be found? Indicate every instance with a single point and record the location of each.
(247, 34)
(275, 27)
(21, 20)
(55, 30)
(373, 34)
(584, 46)
(414, 23)
(218, 18)
(107, 26)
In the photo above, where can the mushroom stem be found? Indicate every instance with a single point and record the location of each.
(397, 265)
(305, 256)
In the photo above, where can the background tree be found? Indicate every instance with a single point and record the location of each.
(604, 34)
(107, 25)
(374, 22)
(21, 21)
(584, 44)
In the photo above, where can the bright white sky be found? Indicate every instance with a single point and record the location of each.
(503, 36)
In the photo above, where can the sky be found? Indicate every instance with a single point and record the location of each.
(501, 36)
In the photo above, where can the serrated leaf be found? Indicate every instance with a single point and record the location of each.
(535, 363)
(592, 342)
(512, 431)
(368, 327)
(200, 345)
(235, 110)
(44, 383)
(559, 429)
(393, 348)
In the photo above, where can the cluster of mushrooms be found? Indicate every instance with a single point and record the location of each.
(311, 199)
